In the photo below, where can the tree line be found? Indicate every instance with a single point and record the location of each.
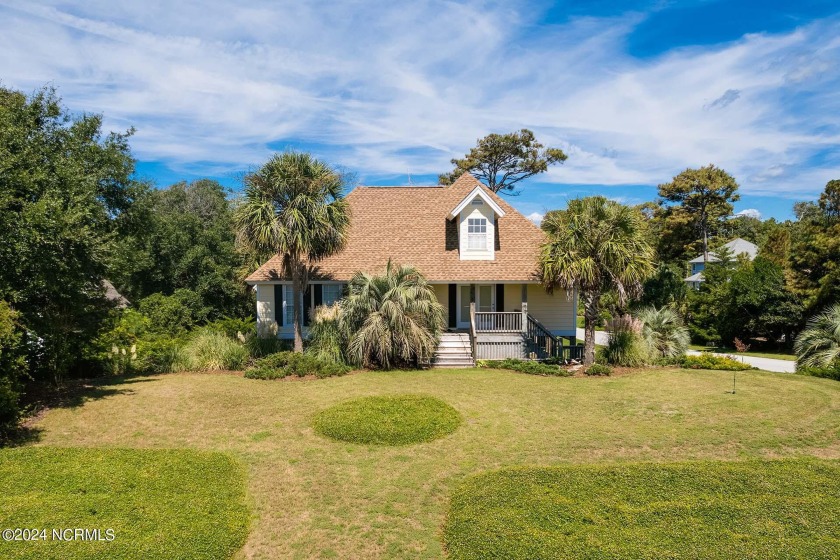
(74, 216)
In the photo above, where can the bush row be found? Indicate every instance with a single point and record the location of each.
(524, 366)
(832, 372)
(707, 360)
(135, 344)
(285, 364)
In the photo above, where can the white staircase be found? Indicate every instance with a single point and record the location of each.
(453, 351)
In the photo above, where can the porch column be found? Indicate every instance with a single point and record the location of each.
(524, 316)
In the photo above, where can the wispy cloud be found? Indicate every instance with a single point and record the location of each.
(728, 97)
(385, 88)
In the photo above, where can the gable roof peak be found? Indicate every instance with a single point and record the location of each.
(466, 180)
(478, 192)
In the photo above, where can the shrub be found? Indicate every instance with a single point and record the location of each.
(390, 320)
(711, 361)
(325, 337)
(211, 350)
(663, 332)
(284, 364)
(598, 369)
(234, 326)
(157, 354)
(626, 346)
(832, 372)
(173, 314)
(265, 373)
(262, 346)
(525, 366)
(12, 368)
(819, 344)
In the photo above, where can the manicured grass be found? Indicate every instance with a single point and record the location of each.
(160, 504)
(764, 354)
(388, 420)
(314, 497)
(705, 510)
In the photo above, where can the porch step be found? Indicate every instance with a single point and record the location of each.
(454, 351)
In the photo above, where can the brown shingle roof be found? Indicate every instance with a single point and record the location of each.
(409, 226)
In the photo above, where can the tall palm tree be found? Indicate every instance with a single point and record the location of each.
(595, 245)
(663, 332)
(293, 206)
(391, 319)
(819, 344)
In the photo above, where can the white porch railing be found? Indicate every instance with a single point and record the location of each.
(498, 321)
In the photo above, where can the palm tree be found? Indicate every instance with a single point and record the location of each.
(819, 344)
(663, 332)
(595, 245)
(293, 206)
(392, 319)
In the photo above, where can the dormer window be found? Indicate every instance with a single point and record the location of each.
(477, 217)
(477, 234)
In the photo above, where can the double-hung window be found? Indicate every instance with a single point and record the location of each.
(477, 234)
(331, 293)
(288, 307)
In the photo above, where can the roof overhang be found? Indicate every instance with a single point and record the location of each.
(476, 192)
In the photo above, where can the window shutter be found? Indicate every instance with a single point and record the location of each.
(318, 291)
(453, 305)
(500, 297)
(279, 310)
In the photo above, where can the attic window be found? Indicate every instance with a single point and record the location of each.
(477, 202)
(477, 234)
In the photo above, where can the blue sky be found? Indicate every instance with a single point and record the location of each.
(633, 91)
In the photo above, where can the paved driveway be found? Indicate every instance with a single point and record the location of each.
(767, 364)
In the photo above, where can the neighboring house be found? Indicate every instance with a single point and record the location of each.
(113, 296)
(479, 254)
(736, 247)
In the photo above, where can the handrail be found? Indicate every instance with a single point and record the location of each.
(532, 319)
(544, 344)
(472, 330)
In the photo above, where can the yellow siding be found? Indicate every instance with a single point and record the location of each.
(442, 293)
(513, 298)
(556, 311)
(265, 307)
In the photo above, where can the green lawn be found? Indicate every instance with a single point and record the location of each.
(388, 420)
(314, 497)
(157, 503)
(765, 354)
(712, 510)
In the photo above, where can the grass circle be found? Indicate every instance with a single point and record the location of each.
(388, 420)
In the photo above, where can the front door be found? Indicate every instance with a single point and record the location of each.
(485, 300)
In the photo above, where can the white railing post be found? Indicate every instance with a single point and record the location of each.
(524, 316)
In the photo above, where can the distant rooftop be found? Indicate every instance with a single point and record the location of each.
(737, 247)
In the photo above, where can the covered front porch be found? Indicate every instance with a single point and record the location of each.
(512, 320)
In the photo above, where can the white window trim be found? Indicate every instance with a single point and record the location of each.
(478, 235)
(467, 199)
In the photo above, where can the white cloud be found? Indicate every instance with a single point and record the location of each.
(394, 88)
(749, 213)
(536, 217)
